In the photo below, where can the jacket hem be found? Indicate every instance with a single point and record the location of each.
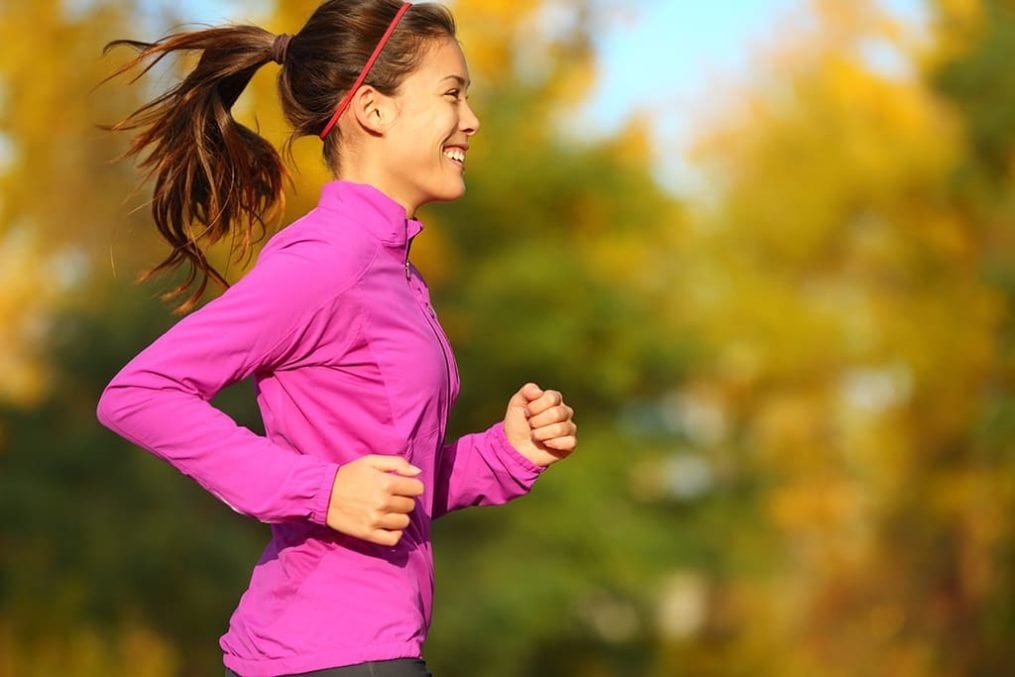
(334, 658)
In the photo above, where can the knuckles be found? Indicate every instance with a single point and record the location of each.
(555, 431)
(557, 416)
(388, 538)
(549, 400)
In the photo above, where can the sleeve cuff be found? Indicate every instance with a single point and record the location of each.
(520, 466)
(321, 501)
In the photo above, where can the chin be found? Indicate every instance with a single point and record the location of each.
(449, 194)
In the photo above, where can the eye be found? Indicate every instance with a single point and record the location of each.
(453, 92)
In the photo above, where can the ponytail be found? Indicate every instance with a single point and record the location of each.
(216, 178)
(213, 176)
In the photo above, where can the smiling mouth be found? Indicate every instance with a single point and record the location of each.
(456, 155)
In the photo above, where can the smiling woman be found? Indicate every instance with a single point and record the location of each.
(425, 128)
(354, 375)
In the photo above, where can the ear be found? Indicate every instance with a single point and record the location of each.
(372, 110)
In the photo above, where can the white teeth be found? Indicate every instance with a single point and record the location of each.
(455, 154)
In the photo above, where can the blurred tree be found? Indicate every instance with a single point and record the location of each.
(106, 567)
(109, 547)
(861, 356)
(61, 198)
(972, 69)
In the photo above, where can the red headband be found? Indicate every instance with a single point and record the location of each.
(347, 99)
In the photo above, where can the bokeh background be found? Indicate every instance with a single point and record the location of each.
(786, 328)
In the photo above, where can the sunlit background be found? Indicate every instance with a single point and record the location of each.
(767, 249)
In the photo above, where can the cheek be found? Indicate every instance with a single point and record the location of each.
(423, 133)
(417, 138)
(435, 125)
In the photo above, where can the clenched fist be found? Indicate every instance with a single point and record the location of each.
(539, 425)
(372, 497)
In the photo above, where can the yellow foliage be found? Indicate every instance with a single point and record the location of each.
(855, 335)
(975, 500)
(61, 199)
(816, 508)
(790, 432)
(27, 296)
(960, 23)
(487, 30)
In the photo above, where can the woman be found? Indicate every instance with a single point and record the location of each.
(353, 374)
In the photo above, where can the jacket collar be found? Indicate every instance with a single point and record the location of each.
(371, 209)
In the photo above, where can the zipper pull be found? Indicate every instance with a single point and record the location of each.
(408, 248)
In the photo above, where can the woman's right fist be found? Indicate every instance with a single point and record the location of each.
(372, 497)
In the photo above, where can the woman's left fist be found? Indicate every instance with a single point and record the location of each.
(540, 426)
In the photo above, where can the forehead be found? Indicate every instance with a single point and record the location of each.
(443, 59)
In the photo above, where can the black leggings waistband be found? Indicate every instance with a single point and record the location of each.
(400, 667)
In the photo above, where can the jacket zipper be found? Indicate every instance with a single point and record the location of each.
(442, 340)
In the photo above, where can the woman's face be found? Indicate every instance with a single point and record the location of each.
(428, 142)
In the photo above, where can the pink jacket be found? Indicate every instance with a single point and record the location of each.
(348, 359)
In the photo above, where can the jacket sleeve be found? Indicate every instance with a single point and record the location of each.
(161, 399)
(481, 469)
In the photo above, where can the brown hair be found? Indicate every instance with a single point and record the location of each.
(213, 176)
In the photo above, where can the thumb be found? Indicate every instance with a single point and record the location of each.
(516, 418)
(525, 394)
(395, 464)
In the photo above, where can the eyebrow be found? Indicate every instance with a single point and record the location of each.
(461, 81)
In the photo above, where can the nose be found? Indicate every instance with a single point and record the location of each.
(468, 123)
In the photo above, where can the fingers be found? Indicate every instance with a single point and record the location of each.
(402, 483)
(557, 414)
(373, 497)
(386, 463)
(391, 522)
(549, 432)
(403, 486)
(553, 425)
(387, 526)
(547, 400)
(543, 429)
(384, 537)
(531, 391)
(525, 394)
(537, 401)
(567, 443)
(399, 504)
